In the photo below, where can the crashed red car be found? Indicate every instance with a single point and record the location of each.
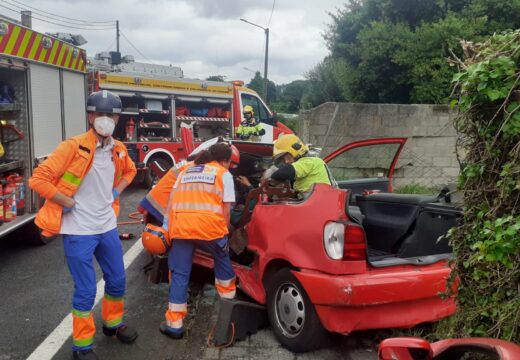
(343, 259)
(410, 348)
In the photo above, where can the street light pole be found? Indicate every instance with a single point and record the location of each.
(266, 31)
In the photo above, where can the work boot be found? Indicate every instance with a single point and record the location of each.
(176, 334)
(84, 355)
(125, 334)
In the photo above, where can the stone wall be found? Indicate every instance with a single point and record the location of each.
(429, 156)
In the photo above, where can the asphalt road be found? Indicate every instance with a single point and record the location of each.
(36, 291)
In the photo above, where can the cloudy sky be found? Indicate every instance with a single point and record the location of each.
(203, 37)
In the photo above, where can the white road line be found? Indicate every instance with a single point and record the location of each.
(50, 346)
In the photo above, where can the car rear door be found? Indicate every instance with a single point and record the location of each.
(366, 164)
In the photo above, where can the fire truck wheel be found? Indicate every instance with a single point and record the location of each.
(292, 315)
(150, 179)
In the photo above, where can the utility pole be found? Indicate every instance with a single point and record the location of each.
(117, 34)
(266, 82)
(266, 31)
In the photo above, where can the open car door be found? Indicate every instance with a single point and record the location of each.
(366, 164)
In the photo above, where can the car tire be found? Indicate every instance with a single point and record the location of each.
(292, 315)
(149, 178)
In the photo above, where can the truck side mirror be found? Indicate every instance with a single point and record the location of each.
(405, 349)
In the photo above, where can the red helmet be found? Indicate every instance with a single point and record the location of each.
(156, 239)
(235, 156)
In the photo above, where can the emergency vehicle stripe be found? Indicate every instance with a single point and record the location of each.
(29, 45)
(49, 52)
(12, 40)
(6, 37)
(68, 62)
(42, 53)
(59, 53)
(35, 47)
(19, 40)
(72, 179)
(39, 48)
(53, 52)
(198, 206)
(64, 56)
(24, 44)
(75, 61)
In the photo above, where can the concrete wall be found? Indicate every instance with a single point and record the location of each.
(429, 156)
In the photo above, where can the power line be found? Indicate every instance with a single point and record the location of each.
(62, 25)
(112, 44)
(272, 10)
(81, 22)
(136, 49)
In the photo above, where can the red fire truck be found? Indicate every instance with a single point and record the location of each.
(157, 103)
(42, 102)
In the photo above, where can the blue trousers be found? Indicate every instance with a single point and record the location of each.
(180, 261)
(80, 251)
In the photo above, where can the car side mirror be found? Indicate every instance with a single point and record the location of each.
(405, 349)
(272, 120)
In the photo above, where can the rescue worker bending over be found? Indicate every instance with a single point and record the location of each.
(250, 129)
(198, 216)
(81, 182)
(303, 171)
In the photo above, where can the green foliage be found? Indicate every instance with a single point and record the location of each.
(257, 84)
(416, 189)
(396, 51)
(216, 78)
(487, 245)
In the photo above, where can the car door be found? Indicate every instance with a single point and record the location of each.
(365, 165)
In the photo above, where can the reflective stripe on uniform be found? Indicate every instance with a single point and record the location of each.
(178, 307)
(201, 187)
(198, 207)
(71, 178)
(226, 288)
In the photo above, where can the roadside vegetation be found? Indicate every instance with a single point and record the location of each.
(487, 245)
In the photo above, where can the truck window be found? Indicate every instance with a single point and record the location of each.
(261, 113)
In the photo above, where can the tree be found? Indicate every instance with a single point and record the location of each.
(396, 50)
(257, 84)
(220, 78)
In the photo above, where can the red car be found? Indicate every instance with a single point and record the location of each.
(409, 348)
(344, 258)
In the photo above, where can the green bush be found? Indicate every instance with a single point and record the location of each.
(487, 245)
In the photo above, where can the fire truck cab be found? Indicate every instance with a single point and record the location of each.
(158, 102)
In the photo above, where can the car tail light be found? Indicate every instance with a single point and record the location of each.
(333, 239)
(354, 247)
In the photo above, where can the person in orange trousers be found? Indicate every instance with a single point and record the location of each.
(81, 182)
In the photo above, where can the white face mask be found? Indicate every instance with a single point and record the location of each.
(104, 125)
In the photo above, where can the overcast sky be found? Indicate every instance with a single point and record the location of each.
(203, 37)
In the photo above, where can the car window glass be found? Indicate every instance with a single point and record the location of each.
(363, 162)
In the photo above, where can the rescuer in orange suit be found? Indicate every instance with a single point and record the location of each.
(81, 182)
(198, 216)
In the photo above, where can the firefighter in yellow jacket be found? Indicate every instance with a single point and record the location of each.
(198, 216)
(81, 182)
(250, 128)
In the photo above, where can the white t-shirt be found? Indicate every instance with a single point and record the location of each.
(93, 213)
(229, 188)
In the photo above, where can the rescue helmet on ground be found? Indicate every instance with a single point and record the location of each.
(104, 102)
(235, 156)
(156, 239)
(291, 144)
(248, 109)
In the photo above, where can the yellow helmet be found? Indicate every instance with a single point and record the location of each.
(248, 108)
(291, 144)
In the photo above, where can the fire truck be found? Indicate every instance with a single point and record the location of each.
(158, 102)
(43, 87)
